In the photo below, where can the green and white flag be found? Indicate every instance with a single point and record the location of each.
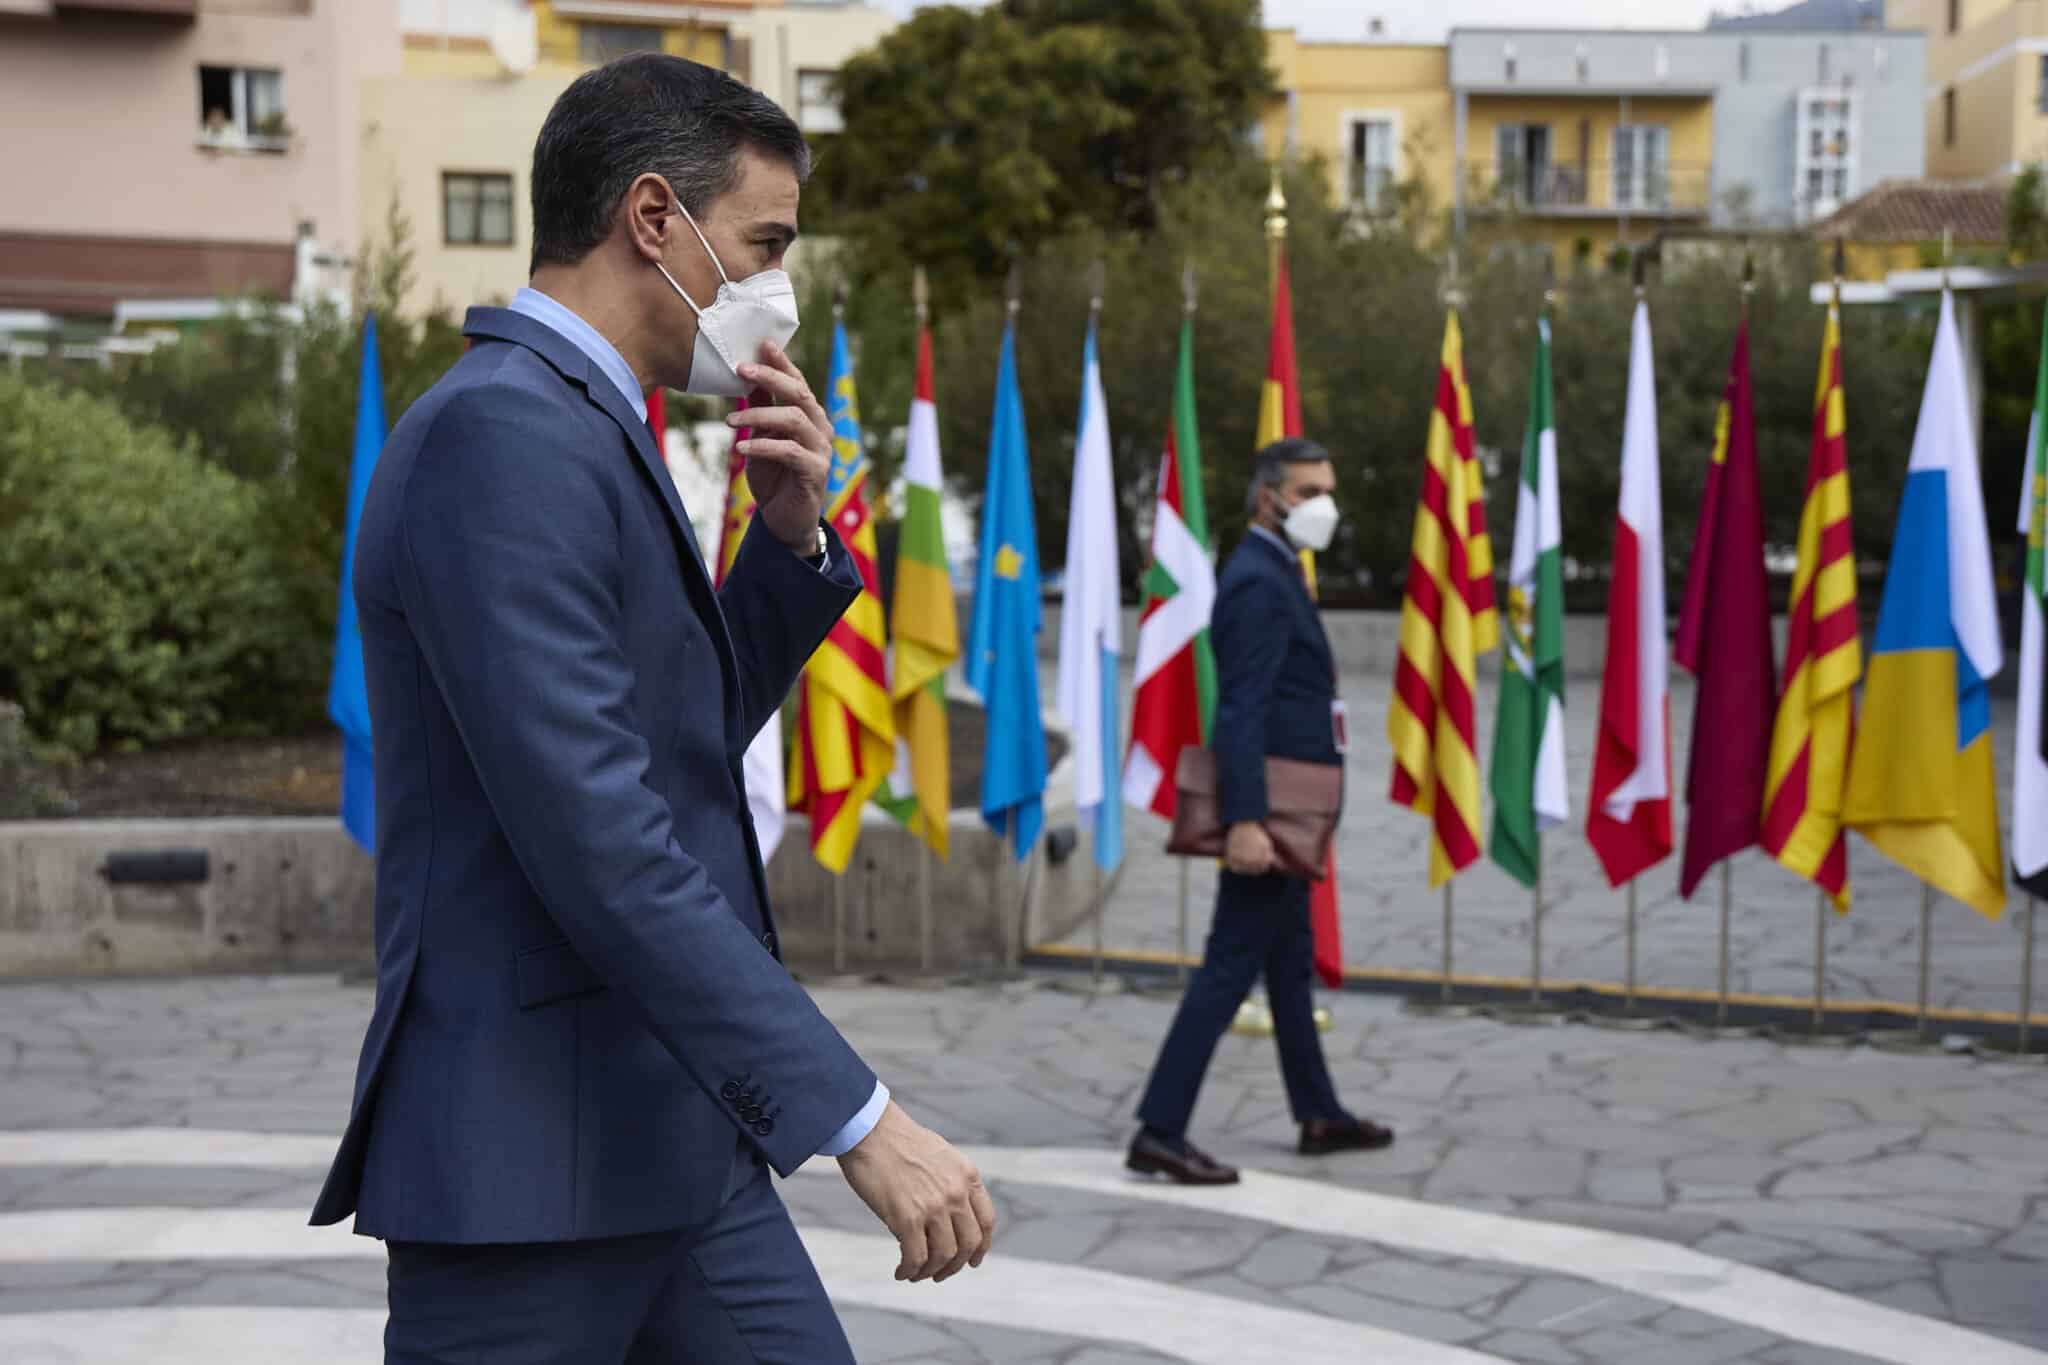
(1528, 742)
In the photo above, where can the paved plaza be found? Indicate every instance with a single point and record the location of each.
(1558, 1194)
(1394, 921)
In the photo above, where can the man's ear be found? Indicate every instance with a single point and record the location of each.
(647, 208)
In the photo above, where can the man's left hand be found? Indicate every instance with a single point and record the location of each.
(789, 456)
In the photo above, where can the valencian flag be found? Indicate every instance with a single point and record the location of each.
(926, 634)
(1176, 671)
(1528, 778)
(1091, 622)
(1921, 784)
(1724, 640)
(762, 766)
(1002, 639)
(846, 725)
(348, 698)
(1280, 417)
(1629, 820)
(2030, 754)
(1447, 621)
(1809, 763)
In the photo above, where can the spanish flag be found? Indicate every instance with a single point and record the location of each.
(846, 725)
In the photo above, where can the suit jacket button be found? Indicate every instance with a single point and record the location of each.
(763, 1127)
(749, 1112)
(768, 942)
(729, 1092)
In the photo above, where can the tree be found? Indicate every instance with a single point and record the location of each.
(974, 137)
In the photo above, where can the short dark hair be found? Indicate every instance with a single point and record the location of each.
(648, 112)
(1269, 466)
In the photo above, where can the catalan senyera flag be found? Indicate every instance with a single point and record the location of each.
(1176, 671)
(1447, 621)
(1809, 759)
(846, 723)
(1724, 640)
(761, 768)
(1921, 781)
(1628, 822)
(1280, 417)
(2030, 751)
(926, 632)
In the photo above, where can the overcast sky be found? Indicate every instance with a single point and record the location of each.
(1429, 20)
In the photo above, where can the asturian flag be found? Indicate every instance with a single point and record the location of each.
(1091, 631)
(1921, 780)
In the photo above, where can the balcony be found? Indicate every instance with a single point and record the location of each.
(1591, 189)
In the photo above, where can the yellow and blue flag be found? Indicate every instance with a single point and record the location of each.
(348, 699)
(1002, 643)
(1921, 781)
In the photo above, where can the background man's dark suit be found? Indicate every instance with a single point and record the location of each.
(1275, 683)
(582, 1028)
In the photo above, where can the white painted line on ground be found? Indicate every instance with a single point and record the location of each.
(164, 1147)
(1097, 1305)
(1646, 1266)
(193, 1336)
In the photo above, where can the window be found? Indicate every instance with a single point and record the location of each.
(243, 107)
(1948, 117)
(817, 102)
(1642, 173)
(1742, 61)
(2041, 87)
(1369, 165)
(1824, 151)
(476, 208)
(1522, 161)
(1507, 62)
(1582, 62)
(600, 43)
(1955, 15)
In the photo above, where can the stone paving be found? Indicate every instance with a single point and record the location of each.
(1392, 920)
(1919, 1183)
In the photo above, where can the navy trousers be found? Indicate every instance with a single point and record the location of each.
(1261, 926)
(739, 1290)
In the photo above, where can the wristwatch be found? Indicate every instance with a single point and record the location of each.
(819, 551)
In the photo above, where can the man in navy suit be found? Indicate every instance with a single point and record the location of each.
(586, 1054)
(1276, 695)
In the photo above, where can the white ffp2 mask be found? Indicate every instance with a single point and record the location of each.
(760, 308)
(1311, 523)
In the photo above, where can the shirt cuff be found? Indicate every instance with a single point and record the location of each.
(859, 1126)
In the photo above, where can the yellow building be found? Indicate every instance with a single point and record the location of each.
(1378, 115)
(1987, 83)
(449, 136)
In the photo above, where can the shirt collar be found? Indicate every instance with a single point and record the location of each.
(557, 317)
(1282, 545)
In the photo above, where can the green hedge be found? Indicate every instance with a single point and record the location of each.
(141, 598)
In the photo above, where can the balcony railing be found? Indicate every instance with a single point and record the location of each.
(1592, 189)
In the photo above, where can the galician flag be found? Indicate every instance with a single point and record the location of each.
(926, 632)
(1091, 629)
(1528, 779)
(1176, 672)
(2030, 754)
(1809, 765)
(348, 698)
(1447, 621)
(1921, 785)
(762, 765)
(1724, 640)
(846, 723)
(1629, 820)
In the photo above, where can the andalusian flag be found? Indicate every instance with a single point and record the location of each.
(1528, 741)
(1921, 784)
(1280, 417)
(1809, 764)
(2030, 755)
(1724, 640)
(927, 636)
(846, 725)
(1629, 823)
(1176, 673)
(762, 766)
(1447, 621)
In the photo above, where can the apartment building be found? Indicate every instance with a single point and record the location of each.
(1987, 82)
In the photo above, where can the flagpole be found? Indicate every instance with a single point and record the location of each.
(2027, 978)
(839, 923)
(1630, 977)
(1180, 956)
(1926, 921)
(1536, 938)
(920, 295)
(1098, 280)
(1820, 958)
(1727, 898)
(1447, 941)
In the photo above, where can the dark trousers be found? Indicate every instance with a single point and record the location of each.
(739, 1290)
(1261, 925)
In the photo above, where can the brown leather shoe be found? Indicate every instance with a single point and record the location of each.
(1186, 1164)
(1320, 1137)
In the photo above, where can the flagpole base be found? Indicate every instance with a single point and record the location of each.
(1254, 1019)
(1324, 1023)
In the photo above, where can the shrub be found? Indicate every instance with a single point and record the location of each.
(139, 598)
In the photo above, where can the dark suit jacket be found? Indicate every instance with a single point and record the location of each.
(580, 1010)
(1275, 675)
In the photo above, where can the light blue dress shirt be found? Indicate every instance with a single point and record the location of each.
(555, 316)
